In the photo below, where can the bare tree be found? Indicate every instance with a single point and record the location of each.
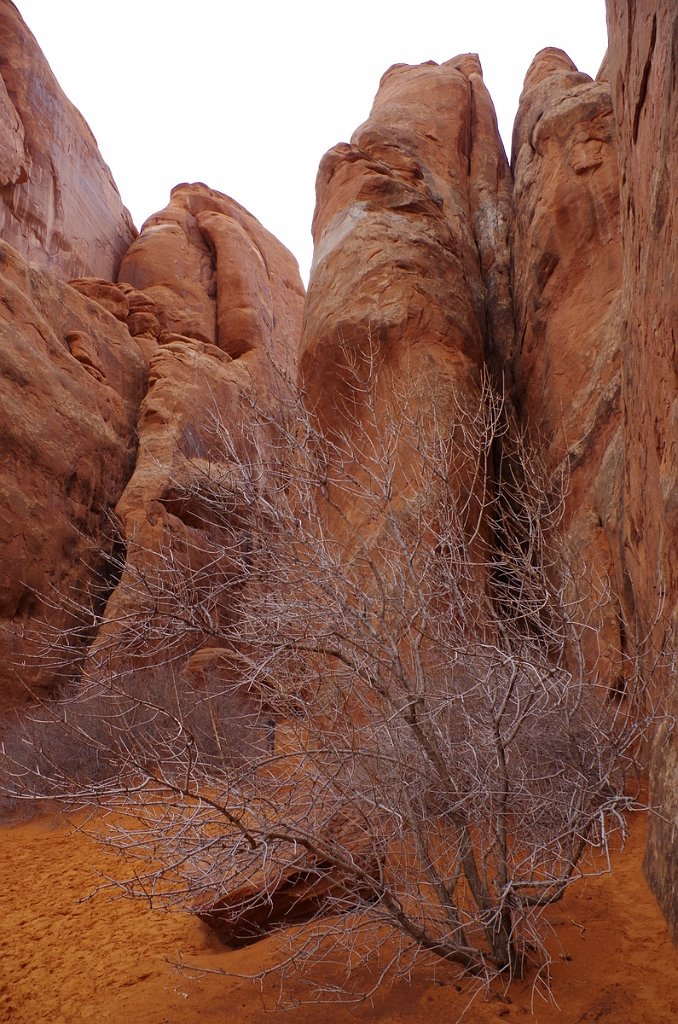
(357, 692)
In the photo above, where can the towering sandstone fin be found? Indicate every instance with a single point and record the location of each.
(566, 251)
(59, 205)
(411, 223)
(411, 264)
(643, 68)
(595, 258)
(71, 376)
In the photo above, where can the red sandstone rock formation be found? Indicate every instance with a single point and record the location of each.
(644, 82)
(221, 318)
(71, 382)
(205, 280)
(401, 215)
(216, 275)
(58, 202)
(411, 261)
(410, 270)
(566, 251)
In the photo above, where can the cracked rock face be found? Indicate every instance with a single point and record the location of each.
(59, 205)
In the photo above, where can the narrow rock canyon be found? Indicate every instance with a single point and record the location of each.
(553, 276)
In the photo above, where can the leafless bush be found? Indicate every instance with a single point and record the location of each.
(405, 727)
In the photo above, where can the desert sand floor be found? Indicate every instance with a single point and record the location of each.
(65, 961)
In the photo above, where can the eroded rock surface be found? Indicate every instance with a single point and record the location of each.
(644, 82)
(566, 248)
(401, 213)
(302, 890)
(411, 264)
(71, 379)
(59, 205)
(216, 275)
(216, 302)
(401, 300)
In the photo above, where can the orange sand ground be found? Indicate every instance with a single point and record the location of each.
(66, 962)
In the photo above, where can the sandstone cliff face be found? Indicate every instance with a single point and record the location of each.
(566, 251)
(72, 379)
(58, 203)
(644, 80)
(411, 264)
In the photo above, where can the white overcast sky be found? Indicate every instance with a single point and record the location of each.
(248, 95)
